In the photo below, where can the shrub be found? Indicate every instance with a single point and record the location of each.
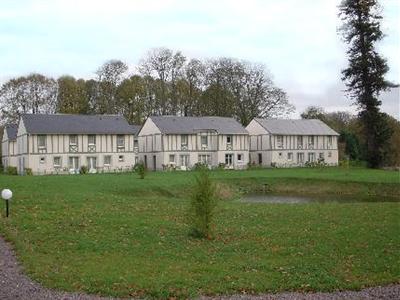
(202, 205)
(83, 170)
(11, 170)
(141, 169)
(199, 166)
(28, 171)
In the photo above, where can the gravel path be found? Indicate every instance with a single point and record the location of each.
(16, 285)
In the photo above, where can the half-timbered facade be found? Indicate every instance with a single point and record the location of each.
(181, 142)
(62, 143)
(286, 143)
(9, 146)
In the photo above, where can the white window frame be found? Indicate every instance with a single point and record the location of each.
(299, 142)
(240, 157)
(70, 140)
(184, 141)
(41, 138)
(42, 159)
(205, 159)
(173, 158)
(120, 137)
(229, 157)
(104, 160)
(121, 158)
(54, 162)
(204, 145)
(290, 156)
(279, 141)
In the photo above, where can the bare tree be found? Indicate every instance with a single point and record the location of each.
(34, 93)
(109, 76)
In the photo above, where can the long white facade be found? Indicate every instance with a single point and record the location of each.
(290, 150)
(160, 151)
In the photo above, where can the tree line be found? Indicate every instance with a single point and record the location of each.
(352, 140)
(165, 82)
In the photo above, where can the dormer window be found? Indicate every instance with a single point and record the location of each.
(184, 142)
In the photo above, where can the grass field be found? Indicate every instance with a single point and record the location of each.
(117, 235)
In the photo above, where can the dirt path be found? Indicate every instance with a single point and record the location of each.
(14, 284)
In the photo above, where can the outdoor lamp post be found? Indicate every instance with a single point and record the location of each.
(6, 194)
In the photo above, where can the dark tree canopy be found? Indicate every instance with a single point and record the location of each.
(365, 74)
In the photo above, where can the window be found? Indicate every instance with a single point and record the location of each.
(311, 157)
(205, 159)
(280, 154)
(300, 158)
(229, 139)
(240, 157)
(57, 161)
(184, 160)
(228, 159)
(329, 154)
(73, 139)
(204, 141)
(330, 141)
(279, 141)
(120, 141)
(136, 143)
(107, 160)
(41, 140)
(42, 160)
(136, 160)
(184, 141)
(300, 142)
(171, 158)
(321, 155)
(91, 143)
(91, 139)
(120, 158)
(290, 156)
(73, 143)
(311, 141)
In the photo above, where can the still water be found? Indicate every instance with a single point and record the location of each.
(289, 199)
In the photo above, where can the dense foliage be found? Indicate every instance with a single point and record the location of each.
(202, 205)
(365, 74)
(352, 143)
(164, 82)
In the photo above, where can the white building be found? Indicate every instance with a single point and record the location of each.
(286, 143)
(62, 143)
(9, 145)
(180, 142)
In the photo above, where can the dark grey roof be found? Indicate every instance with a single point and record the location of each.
(296, 127)
(187, 125)
(76, 124)
(12, 130)
(135, 129)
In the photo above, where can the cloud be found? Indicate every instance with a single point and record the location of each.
(296, 40)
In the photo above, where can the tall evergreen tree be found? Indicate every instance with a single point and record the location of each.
(365, 74)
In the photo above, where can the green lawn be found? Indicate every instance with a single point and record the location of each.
(118, 235)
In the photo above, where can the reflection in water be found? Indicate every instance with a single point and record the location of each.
(289, 199)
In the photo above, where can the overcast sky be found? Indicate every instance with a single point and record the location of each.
(296, 39)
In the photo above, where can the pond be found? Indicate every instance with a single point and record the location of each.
(293, 199)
